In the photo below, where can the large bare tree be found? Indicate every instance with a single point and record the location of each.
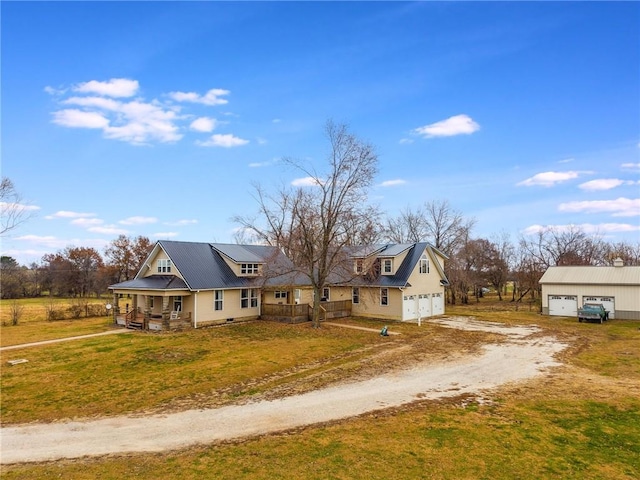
(13, 210)
(314, 223)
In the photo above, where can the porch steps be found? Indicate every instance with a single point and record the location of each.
(133, 325)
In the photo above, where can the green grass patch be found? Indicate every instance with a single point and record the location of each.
(136, 372)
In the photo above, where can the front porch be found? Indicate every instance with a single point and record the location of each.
(158, 312)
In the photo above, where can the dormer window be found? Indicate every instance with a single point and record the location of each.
(164, 265)
(249, 268)
(387, 266)
(424, 264)
(359, 265)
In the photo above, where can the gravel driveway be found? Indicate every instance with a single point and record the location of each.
(523, 355)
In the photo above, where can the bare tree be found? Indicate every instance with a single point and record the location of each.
(13, 211)
(315, 223)
(446, 228)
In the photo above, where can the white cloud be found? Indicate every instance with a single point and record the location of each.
(589, 228)
(68, 214)
(276, 120)
(456, 125)
(80, 119)
(630, 166)
(137, 121)
(165, 234)
(305, 182)
(87, 222)
(116, 87)
(405, 141)
(548, 179)
(621, 207)
(566, 160)
(138, 220)
(203, 124)
(109, 230)
(211, 98)
(227, 140)
(97, 102)
(181, 223)
(601, 184)
(393, 183)
(5, 207)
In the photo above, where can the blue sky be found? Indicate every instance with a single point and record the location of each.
(155, 118)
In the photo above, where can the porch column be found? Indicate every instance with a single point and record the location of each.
(147, 310)
(116, 307)
(166, 314)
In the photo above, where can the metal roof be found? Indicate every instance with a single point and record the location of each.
(241, 253)
(153, 282)
(588, 275)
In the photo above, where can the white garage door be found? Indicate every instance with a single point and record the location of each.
(424, 305)
(409, 307)
(608, 303)
(437, 304)
(563, 305)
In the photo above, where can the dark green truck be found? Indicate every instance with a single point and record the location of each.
(592, 312)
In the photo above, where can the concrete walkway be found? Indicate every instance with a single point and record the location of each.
(65, 339)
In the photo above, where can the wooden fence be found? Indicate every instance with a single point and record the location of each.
(298, 313)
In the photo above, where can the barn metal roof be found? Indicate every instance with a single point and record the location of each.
(588, 275)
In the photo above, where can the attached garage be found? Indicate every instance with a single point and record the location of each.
(617, 288)
(422, 306)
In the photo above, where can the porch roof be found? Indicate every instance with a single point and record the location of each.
(152, 282)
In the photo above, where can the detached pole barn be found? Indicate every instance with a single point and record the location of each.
(617, 288)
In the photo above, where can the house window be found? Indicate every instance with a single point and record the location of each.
(297, 294)
(177, 304)
(218, 298)
(326, 294)
(424, 264)
(387, 266)
(355, 295)
(280, 295)
(164, 265)
(150, 302)
(248, 297)
(249, 268)
(384, 296)
(359, 265)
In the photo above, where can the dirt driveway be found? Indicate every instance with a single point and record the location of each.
(525, 353)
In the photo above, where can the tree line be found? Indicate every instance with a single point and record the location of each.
(75, 271)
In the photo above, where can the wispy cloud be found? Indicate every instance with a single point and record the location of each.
(305, 182)
(549, 179)
(211, 98)
(456, 125)
(138, 220)
(69, 214)
(630, 166)
(116, 87)
(86, 222)
(405, 141)
(223, 140)
(181, 223)
(108, 230)
(620, 207)
(393, 183)
(603, 184)
(165, 234)
(589, 228)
